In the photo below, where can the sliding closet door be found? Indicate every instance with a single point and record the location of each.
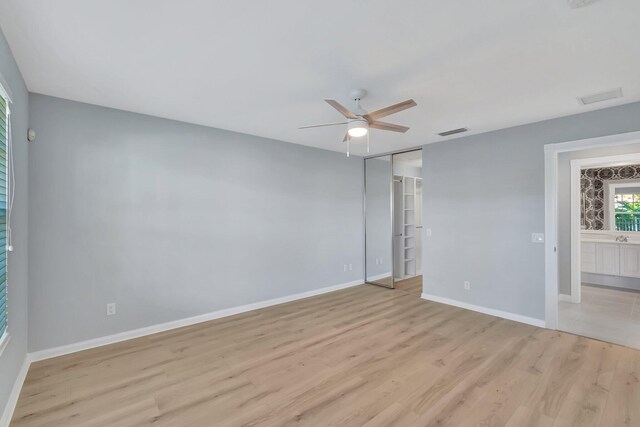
(379, 221)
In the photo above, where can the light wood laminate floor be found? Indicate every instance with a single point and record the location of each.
(413, 285)
(363, 356)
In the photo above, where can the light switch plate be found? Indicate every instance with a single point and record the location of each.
(537, 237)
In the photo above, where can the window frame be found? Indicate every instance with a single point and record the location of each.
(610, 187)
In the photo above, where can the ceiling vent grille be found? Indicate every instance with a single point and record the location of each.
(580, 3)
(602, 96)
(453, 131)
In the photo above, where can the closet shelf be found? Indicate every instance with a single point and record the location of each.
(407, 205)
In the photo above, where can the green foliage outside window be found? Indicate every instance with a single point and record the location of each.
(627, 211)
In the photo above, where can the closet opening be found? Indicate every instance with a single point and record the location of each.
(393, 221)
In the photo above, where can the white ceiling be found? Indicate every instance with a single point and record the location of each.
(264, 67)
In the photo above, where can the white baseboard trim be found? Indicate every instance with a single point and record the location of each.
(7, 414)
(137, 333)
(565, 298)
(493, 312)
(379, 276)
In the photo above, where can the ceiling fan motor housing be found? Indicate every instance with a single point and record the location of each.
(357, 94)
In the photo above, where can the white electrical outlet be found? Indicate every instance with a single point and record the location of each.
(350, 267)
(345, 267)
(111, 309)
(428, 231)
(467, 285)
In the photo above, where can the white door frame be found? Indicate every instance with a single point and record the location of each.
(551, 152)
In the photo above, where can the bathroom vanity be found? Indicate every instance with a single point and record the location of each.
(610, 258)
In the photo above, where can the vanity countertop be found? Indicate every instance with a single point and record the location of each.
(590, 240)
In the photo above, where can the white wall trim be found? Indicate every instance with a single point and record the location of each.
(15, 393)
(4, 340)
(601, 141)
(5, 90)
(565, 298)
(485, 310)
(379, 276)
(576, 287)
(551, 210)
(551, 238)
(136, 333)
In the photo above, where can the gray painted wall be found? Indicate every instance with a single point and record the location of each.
(13, 355)
(499, 178)
(170, 220)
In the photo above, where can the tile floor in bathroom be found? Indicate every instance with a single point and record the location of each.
(607, 314)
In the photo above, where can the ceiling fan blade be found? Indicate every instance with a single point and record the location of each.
(326, 124)
(343, 110)
(392, 109)
(388, 126)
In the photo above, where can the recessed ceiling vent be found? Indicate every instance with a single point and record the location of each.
(580, 3)
(602, 96)
(453, 131)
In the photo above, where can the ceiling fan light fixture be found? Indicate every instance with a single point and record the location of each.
(358, 128)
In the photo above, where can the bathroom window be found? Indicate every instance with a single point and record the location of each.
(627, 211)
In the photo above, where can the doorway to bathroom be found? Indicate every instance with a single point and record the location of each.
(600, 298)
(393, 221)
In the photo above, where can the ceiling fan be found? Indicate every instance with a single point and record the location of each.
(360, 121)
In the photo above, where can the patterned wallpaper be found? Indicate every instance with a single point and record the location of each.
(592, 187)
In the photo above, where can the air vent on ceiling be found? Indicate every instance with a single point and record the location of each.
(453, 132)
(580, 3)
(602, 96)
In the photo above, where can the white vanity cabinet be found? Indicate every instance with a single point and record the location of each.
(608, 259)
(630, 260)
(588, 257)
(612, 259)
